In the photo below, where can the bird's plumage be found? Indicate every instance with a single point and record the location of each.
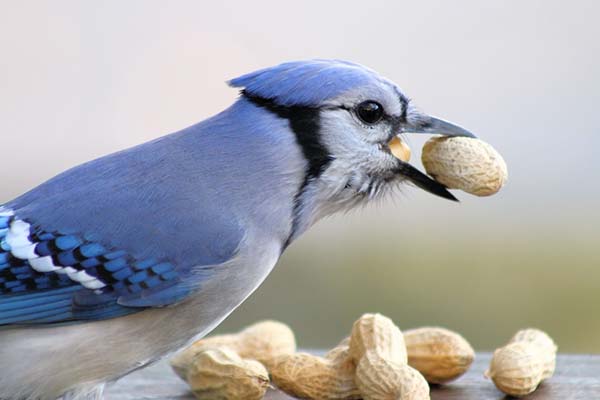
(124, 259)
(214, 200)
(131, 223)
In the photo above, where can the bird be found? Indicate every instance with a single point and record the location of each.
(119, 262)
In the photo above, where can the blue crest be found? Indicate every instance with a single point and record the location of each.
(305, 83)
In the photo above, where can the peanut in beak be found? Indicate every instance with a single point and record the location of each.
(399, 149)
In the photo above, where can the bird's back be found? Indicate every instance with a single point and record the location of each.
(162, 193)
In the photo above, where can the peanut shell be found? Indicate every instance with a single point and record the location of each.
(262, 341)
(439, 354)
(399, 149)
(379, 378)
(340, 352)
(519, 367)
(307, 376)
(222, 374)
(378, 333)
(465, 163)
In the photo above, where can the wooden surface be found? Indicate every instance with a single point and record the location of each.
(576, 377)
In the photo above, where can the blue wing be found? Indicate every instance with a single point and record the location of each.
(48, 277)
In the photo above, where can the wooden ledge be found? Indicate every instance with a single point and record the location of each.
(576, 377)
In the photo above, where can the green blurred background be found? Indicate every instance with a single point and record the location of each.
(82, 79)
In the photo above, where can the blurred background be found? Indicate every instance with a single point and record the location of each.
(82, 79)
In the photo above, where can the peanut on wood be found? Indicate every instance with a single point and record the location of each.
(519, 367)
(378, 333)
(307, 376)
(379, 378)
(439, 354)
(221, 374)
(262, 341)
(382, 373)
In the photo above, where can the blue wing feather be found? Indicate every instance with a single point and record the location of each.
(122, 284)
(139, 244)
(28, 295)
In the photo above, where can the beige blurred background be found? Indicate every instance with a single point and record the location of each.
(82, 79)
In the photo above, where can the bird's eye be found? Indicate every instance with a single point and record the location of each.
(369, 112)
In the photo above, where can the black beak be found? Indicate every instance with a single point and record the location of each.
(424, 182)
(436, 126)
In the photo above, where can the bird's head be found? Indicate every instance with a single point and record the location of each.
(344, 116)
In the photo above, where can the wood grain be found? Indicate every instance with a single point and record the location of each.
(576, 377)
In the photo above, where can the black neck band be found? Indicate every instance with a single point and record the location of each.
(305, 123)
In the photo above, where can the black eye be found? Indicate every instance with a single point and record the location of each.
(369, 111)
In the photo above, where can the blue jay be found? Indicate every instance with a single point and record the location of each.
(123, 260)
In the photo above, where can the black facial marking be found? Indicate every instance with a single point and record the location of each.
(404, 101)
(396, 121)
(305, 123)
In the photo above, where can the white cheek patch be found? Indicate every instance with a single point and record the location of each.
(21, 247)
